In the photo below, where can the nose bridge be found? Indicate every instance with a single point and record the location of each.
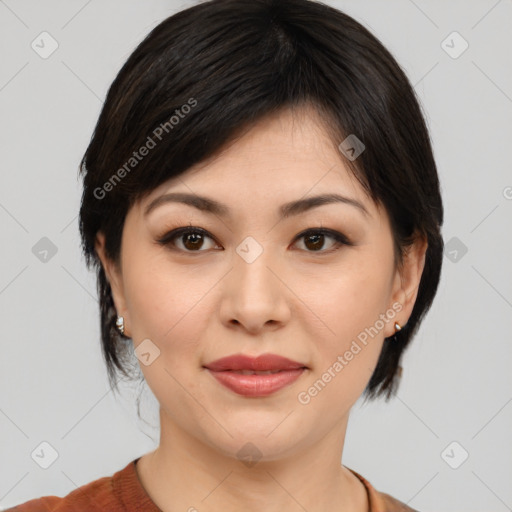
(256, 294)
(251, 264)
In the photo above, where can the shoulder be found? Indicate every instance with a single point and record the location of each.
(380, 501)
(99, 495)
(393, 505)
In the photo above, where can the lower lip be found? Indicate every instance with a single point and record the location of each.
(257, 385)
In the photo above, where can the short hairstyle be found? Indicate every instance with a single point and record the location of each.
(209, 72)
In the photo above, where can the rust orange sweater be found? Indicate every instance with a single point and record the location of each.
(123, 492)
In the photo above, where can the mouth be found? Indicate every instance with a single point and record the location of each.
(252, 372)
(262, 363)
(256, 384)
(255, 376)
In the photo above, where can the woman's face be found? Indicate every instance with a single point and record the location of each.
(245, 281)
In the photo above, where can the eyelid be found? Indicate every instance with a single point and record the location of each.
(175, 233)
(339, 237)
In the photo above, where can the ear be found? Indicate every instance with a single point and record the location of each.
(407, 281)
(115, 279)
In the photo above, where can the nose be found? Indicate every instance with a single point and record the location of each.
(255, 296)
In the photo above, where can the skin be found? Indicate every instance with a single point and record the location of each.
(198, 303)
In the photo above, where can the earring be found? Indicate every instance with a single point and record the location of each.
(120, 324)
(397, 327)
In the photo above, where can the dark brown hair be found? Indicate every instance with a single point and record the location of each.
(207, 73)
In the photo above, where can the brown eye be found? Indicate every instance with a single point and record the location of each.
(191, 239)
(315, 240)
(187, 239)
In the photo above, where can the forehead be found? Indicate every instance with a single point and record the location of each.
(286, 155)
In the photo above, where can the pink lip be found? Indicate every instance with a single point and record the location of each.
(261, 363)
(224, 370)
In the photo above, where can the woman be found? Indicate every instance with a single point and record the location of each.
(262, 207)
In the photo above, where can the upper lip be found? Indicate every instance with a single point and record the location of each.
(262, 362)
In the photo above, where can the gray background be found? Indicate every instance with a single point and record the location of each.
(457, 379)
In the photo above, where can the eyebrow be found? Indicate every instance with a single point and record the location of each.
(208, 205)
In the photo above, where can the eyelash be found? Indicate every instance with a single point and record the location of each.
(168, 238)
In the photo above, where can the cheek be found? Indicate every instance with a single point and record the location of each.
(346, 354)
(350, 304)
(165, 305)
(353, 299)
(168, 307)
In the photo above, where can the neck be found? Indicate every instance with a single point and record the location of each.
(184, 473)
